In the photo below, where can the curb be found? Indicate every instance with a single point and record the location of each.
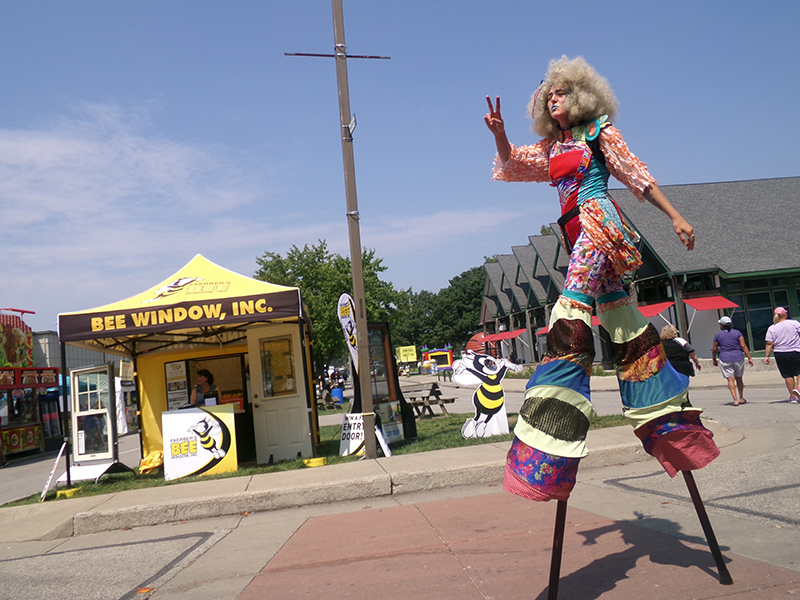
(403, 474)
(483, 465)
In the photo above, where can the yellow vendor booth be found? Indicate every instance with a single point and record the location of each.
(252, 337)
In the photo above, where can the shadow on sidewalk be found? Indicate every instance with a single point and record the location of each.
(605, 573)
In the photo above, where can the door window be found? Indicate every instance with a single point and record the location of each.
(277, 367)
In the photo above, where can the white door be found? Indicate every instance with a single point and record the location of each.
(278, 394)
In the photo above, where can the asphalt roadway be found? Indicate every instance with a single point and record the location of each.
(437, 524)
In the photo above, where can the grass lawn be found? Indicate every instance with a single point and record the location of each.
(434, 433)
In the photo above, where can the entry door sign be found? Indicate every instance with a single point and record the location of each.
(347, 319)
(352, 441)
(199, 441)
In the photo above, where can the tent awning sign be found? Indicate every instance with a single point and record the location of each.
(201, 294)
(147, 319)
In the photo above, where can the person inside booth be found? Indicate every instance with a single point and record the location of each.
(205, 388)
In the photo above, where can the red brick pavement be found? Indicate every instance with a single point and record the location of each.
(497, 546)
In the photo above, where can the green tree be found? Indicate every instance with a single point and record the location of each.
(546, 230)
(458, 309)
(447, 317)
(322, 277)
(415, 328)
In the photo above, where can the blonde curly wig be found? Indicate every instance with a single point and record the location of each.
(589, 95)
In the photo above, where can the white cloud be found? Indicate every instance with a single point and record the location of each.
(94, 199)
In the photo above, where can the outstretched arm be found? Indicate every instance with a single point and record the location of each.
(494, 121)
(685, 232)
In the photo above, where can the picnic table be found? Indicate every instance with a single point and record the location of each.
(423, 398)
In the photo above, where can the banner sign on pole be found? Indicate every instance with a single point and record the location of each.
(347, 319)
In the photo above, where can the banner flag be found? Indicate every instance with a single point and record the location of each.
(347, 319)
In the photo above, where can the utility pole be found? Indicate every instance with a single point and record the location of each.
(347, 124)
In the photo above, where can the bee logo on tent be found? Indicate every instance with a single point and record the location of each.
(173, 288)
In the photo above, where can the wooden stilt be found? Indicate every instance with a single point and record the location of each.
(558, 546)
(724, 576)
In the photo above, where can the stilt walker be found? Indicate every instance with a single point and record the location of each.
(572, 109)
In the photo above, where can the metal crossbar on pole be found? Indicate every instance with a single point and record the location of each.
(347, 124)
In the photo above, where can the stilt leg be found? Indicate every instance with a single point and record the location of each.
(558, 546)
(724, 575)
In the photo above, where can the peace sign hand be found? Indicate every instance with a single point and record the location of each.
(493, 119)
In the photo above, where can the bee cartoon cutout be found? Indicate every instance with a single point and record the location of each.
(205, 429)
(489, 399)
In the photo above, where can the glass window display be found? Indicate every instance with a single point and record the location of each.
(277, 366)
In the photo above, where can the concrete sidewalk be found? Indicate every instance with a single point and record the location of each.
(498, 546)
(397, 475)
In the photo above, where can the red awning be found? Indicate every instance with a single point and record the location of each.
(651, 310)
(710, 303)
(503, 335)
(507, 335)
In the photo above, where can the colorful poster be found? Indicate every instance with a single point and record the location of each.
(391, 420)
(16, 342)
(199, 441)
(346, 310)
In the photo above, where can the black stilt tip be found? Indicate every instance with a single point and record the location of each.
(558, 545)
(724, 576)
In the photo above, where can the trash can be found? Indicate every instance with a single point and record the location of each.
(338, 395)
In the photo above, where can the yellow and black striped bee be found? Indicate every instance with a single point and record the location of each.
(205, 429)
(489, 398)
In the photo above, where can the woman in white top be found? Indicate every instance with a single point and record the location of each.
(783, 337)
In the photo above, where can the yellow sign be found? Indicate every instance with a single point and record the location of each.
(406, 354)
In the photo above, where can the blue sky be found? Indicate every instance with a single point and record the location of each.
(136, 134)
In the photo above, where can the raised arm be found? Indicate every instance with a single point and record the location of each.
(494, 121)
